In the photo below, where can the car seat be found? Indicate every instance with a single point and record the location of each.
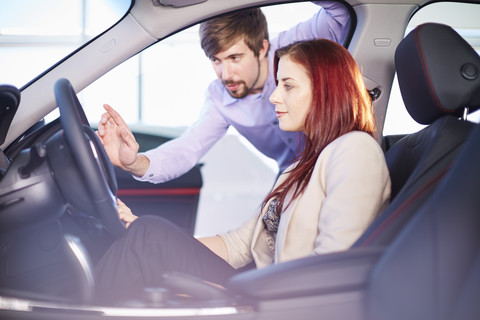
(431, 270)
(427, 267)
(437, 89)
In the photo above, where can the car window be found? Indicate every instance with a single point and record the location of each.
(47, 31)
(164, 85)
(463, 18)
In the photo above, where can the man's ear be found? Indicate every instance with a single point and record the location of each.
(264, 50)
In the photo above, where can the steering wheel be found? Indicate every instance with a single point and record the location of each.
(90, 157)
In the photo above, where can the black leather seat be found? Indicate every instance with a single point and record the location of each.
(426, 271)
(431, 270)
(437, 91)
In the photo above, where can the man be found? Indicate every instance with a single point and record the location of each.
(238, 47)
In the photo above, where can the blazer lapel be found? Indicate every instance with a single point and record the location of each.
(261, 252)
(284, 225)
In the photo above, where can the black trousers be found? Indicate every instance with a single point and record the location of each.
(150, 247)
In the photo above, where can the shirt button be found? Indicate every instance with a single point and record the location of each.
(275, 122)
(150, 175)
(289, 140)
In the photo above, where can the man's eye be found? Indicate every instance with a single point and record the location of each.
(287, 86)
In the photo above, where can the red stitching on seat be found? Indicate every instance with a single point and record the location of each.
(425, 71)
(432, 182)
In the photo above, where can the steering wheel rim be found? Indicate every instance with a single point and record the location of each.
(108, 169)
(90, 157)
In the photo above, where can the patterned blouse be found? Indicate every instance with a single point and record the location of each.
(271, 218)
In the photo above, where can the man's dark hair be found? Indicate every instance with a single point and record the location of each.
(219, 34)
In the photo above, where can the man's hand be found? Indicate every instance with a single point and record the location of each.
(119, 143)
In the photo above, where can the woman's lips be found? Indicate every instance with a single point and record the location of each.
(280, 114)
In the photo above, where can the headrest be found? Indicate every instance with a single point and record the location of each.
(438, 73)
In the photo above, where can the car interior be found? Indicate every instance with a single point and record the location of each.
(406, 247)
(420, 259)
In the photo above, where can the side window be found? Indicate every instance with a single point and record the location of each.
(464, 19)
(164, 86)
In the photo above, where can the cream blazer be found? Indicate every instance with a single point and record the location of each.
(350, 185)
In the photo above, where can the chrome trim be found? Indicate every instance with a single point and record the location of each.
(81, 255)
(17, 304)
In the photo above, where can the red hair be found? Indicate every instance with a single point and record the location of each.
(340, 104)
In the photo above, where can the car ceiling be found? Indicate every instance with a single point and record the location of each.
(159, 21)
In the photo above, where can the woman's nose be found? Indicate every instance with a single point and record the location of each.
(274, 96)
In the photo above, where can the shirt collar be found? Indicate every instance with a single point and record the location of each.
(229, 100)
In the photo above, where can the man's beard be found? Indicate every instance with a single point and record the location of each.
(242, 90)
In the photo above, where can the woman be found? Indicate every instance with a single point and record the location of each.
(321, 203)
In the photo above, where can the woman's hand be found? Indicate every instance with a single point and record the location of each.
(125, 214)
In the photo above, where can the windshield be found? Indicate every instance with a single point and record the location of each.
(35, 35)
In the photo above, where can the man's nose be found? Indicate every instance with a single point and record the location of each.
(226, 71)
